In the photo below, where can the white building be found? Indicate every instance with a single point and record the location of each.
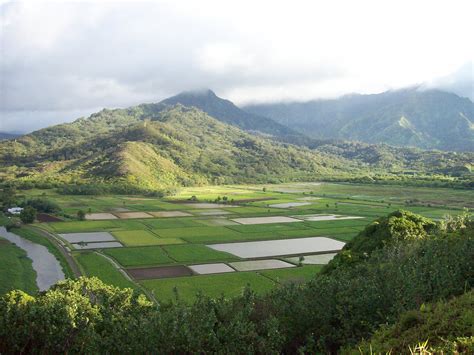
(15, 210)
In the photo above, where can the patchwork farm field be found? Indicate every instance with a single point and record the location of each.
(158, 242)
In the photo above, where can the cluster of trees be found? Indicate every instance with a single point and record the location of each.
(104, 189)
(9, 198)
(41, 204)
(412, 265)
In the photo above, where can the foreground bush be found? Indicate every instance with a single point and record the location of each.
(87, 316)
(350, 303)
(447, 327)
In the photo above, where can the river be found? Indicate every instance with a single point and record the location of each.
(47, 267)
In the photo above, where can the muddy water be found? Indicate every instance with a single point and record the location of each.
(47, 267)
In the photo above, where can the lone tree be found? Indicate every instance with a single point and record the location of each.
(28, 215)
(81, 215)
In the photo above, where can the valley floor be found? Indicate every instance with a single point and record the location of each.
(198, 240)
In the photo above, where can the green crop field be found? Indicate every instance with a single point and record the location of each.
(190, 233)
(170, 223)
(137, 237)
(296, 274)
(139, 256)
(94, 264)
(229, 285)
(191, 253)
(275, 227)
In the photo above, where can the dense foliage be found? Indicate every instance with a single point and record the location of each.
(411, 264)
(28, 215)
(445, 326)
(399, 226)
(42, 205)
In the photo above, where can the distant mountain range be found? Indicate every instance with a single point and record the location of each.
(199, 138)
(428, 119)
(7, 135)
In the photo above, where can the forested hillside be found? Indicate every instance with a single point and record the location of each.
(227, 112)
(429, 119)
(159, 146)
(174, 147)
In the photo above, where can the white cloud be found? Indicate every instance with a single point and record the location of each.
(65, 55)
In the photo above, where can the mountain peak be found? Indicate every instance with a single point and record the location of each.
(225, 111)
(203, 93)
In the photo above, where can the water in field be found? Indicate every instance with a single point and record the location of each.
(319, 259)
(216, 268)
(280, 247)
(88, 237)
(260, 265)
(47, 267)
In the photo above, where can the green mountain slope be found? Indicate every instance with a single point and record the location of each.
(430, 119)
(158, 146)
(225, 111)
(177, 146)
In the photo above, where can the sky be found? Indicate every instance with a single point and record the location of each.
(60, 60)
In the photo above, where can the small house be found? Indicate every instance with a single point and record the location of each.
(15, 210)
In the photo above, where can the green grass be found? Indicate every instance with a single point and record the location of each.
(339, 224)
(136, 237)
(173, 222)
(139, 256)
(267, 228)
(297, 233)
(190, 233)
(229, 285)
(257, 211)
(342, 230)
(190, 253)
(16, 270)
(344, 237)
(82, 226)
(170, 241)
(296, 274)
(94, 264)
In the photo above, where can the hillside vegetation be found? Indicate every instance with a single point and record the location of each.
(225, 111)
(418, 277)
(177, 146)
(428, 119)
(154, 147)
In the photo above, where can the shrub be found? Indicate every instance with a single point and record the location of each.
(28, 215)
(447, 327)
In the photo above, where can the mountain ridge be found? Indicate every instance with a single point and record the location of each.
(157, 146)
(428, 119)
